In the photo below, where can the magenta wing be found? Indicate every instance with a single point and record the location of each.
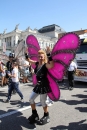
(62, 54)
(33, 47)
(55, 91)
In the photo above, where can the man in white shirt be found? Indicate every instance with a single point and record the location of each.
(71, 70)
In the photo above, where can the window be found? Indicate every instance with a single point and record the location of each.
(83, 47)
(10, 44)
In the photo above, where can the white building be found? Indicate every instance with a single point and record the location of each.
(46, 36)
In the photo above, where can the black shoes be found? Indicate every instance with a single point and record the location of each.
(33, 118)
(44, 120)
(70, 88)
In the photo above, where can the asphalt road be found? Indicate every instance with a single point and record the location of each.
(69, 113)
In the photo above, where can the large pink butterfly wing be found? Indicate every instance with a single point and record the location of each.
(62, 54)
(55, 91)
(33, 48)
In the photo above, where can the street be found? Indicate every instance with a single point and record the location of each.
(69, 113)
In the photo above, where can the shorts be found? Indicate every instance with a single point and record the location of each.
(25, 72)
(3, 74)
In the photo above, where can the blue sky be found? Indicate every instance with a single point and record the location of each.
(69, 14)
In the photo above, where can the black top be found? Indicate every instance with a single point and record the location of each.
(9, 66)
(42, 85)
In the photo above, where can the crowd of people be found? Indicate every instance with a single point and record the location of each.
(6, 68)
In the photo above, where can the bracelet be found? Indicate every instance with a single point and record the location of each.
(49, 57)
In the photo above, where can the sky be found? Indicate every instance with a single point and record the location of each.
(71, 15)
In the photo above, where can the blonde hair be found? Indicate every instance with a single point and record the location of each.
(45, 56)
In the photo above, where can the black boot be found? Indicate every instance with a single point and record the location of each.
(45, 119)
(34, 117)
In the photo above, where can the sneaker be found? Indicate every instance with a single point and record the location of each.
(47, 101)
(49, 104)
(7, 101)
(70, 88)
(22, 100)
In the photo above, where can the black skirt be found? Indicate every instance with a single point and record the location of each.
(42, 88)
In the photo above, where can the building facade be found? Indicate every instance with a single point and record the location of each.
(46, 36)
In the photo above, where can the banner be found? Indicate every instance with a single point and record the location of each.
(4, 47)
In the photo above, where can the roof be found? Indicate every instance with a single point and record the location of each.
(50, 28)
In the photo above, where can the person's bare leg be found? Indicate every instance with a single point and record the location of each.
(33, 106)
(2, 81)
(5, 81)
(45, 109)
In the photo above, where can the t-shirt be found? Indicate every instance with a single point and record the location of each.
(72, 66)
(26, 63)
(15, 71)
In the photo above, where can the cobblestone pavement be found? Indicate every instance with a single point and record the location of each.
(69, 113)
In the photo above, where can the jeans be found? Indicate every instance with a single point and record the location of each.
(14, 85)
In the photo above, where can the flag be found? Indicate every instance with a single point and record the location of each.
(4, 47)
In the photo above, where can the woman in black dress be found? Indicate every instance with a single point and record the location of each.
(42, 86)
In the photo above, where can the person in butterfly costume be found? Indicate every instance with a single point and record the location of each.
(42, 86)
(49, 73)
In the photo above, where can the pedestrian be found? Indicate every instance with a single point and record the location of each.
(9, 69)
(41, 88)
(71, 71)
(25, 71)
(15, 81)
(2, 73)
